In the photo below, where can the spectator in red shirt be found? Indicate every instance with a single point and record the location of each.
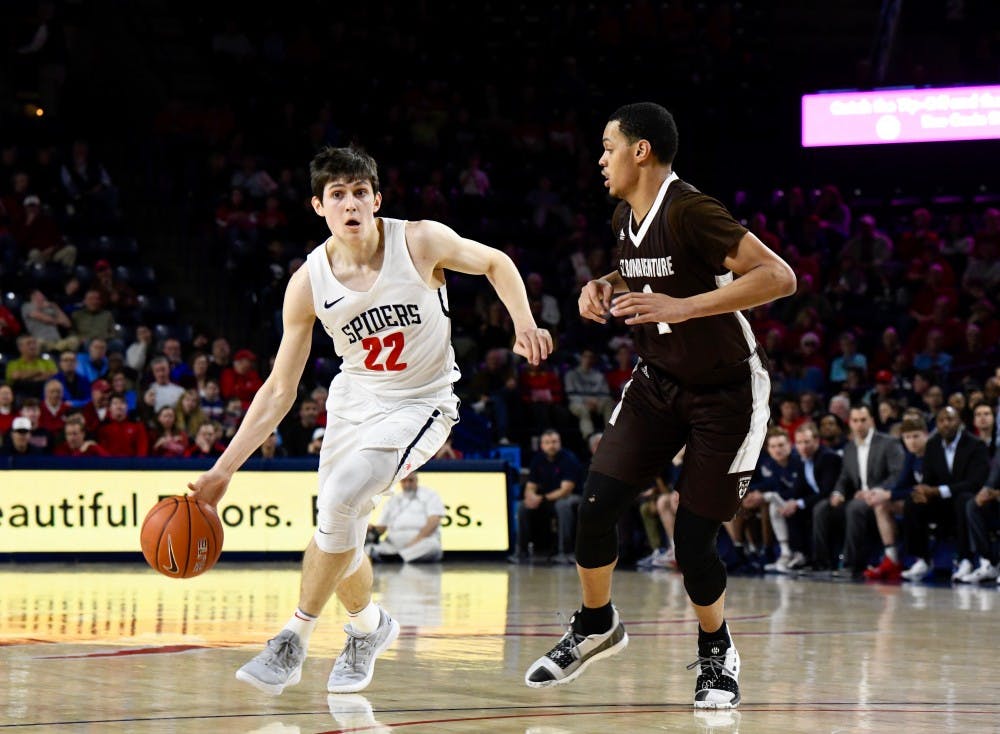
(54, 408)
(205, 446)
(116, 294)
(622, 372)
(790, 416)
(241, 380)
(120, 436)
(96, 411)
(169, 441)
(7, 412)
(10, 327)
(76, 443)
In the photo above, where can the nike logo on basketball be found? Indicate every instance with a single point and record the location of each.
(173, 567)
(331, 304)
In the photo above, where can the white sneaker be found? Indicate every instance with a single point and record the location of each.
(986, 572)
(917, 571)
(718, 673)
(665, 559)
(798, 561)
(574, 652)
(963, 569)
(779, 566)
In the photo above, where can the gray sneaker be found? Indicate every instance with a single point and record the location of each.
(573, 653)
(278, 666)
(355, 666)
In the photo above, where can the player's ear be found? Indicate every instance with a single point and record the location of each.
(378, 202)
(642, 150)
(317, 205)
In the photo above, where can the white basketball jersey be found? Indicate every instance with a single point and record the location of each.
(395, 338)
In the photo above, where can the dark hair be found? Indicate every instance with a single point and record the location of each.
(911, 425)
(341, 164)
(863, 406)
(652, 122)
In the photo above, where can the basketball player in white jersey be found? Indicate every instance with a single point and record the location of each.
(377, 285)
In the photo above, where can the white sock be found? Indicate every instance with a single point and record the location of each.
(366, 621)
(786, 550)
(891, 553)
(302, 624)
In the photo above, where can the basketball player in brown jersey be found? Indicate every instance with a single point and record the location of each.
(700, 383)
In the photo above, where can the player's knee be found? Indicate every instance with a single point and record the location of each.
(604, 499)
(697, 554)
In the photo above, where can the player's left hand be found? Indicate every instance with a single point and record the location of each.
(650, 308)
(533, 344)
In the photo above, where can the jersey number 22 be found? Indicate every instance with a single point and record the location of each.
(394, 343)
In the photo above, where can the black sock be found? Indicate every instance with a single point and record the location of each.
(709, 641)
(590, 621)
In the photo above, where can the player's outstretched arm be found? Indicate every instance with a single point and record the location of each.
(275, 397)
(443, 247)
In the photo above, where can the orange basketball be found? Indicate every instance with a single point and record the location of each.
(181, 537)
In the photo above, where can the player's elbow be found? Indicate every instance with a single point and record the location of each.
(783, 278)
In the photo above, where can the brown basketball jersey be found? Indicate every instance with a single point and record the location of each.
(679, 249)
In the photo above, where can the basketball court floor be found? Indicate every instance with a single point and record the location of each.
(119, 648)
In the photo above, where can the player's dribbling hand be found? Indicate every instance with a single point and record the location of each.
(595, 300)
(210, 486)
(533, 344)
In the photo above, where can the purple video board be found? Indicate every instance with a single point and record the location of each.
(901, 116)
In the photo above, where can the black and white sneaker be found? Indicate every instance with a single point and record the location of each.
(574, 652)
(717, 686)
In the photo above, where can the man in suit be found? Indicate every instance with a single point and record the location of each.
(956, 465)
(821, 469)
(859, 500)
(983, 513)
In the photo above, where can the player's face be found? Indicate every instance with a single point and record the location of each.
(618, 162)
(349, 209)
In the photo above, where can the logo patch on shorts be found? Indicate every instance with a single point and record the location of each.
(744, 485)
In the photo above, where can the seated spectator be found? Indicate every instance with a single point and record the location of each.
(983, 515)
(53, 409)
(232, 417)
(115, 293)
(31, 408)
(319, 394)
(411, 524)
(588, 393)
(18, 441)
(76, 443)
(212, 404)
(139, 352)
(241, 380)
(869, 246)
(168, 440)
(120, 436)
(190, 416)
(820, 471)
(30, 371)
(94, 364)
(832, 433)
(492, 392)
(95, 412)
(199, 370)
(10, 327)
(205, 446)
(932, 358)
(166, 393)
(48, 323)
(859, 501)
(773, 486)
(914, 435)
(220, 357)
(789, 416)
(180, 372)
(89, 188)
(39, 235)
(849, 357)
(75, 386)
(551, 491)
(120, 386)
(93, 321)
(955, 468)
(984, 427)
(8, 411)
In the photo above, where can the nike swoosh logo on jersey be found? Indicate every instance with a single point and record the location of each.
(173, 567)
(331, 304)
